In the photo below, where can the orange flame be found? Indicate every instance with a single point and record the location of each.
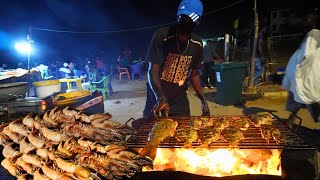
(218, 162)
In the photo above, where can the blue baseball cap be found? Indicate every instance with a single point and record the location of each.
(191, 8)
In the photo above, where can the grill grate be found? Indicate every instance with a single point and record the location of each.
(253, 138)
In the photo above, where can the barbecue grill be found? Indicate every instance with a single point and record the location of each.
(293, 147)
(253, 138)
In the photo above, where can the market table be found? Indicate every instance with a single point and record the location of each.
(78, 81)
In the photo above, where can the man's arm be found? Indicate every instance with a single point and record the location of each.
(155, 85)
(155, 57)
(196, 84)
(154, 80)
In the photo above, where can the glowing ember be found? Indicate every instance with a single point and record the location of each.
(218, 162)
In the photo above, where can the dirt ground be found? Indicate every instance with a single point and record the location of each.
(128, 101)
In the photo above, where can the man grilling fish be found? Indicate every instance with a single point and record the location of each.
(174, 55)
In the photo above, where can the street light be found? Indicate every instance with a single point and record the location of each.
(25, 47)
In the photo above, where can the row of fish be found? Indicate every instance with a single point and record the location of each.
(209, 129)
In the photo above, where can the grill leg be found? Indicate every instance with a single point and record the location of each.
(300, 121)
(291, 119)
(316, 165)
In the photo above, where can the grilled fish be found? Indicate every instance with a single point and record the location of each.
(208, 135)
(220, 123)
(163, 129)
(233, 135)
(198, 123)
(187, 135)
(276, 135)
(242, 124)
(269, 133)
(195, 123)
(262, 118)
(266, 133)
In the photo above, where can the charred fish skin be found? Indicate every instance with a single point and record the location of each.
(266, 133)
(262, 118)
(242, 124)
(277, 136)
(208, 135)
(269, 133)
(187, 136)
(201, 122)
(196, 123)
(220, 124)
(233, 135)
(163, 129)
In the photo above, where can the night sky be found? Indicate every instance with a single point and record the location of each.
(108, 15)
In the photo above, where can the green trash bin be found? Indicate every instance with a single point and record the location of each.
(229, 78)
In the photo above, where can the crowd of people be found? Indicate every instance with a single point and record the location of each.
(90, 69)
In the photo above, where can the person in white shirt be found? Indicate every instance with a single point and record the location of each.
(64, 71)
(302, 78)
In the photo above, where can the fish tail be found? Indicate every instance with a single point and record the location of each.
(150, 150)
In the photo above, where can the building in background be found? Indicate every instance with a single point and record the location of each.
(288, 20)
(278, 20)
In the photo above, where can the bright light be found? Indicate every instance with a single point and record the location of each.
(23, 47)
(204, 43)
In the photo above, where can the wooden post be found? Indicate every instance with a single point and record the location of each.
(29, 46)
(253, 58)
(28, 76)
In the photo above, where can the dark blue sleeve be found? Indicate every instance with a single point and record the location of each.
(196, 61)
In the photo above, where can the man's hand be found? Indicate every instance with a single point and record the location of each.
(160, 107)
(205, 109)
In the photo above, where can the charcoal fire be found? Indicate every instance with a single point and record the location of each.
(236, 147)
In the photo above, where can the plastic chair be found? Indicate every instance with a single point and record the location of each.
(123, 71)
(137, 69)
(103, 86)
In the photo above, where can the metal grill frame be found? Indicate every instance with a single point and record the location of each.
(253, 138)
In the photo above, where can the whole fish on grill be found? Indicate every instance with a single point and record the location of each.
(196, 123)
(208, 135)
(186, 135)
(269, 133)
(233, 135)
(242, 124)
(276, 135)
(262, 118)
(266, 133)
(220, 123)
(201, 122)
(163, 129)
